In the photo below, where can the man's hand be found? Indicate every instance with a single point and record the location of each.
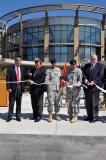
(86, 81)
(30, 74)
(68, 85)
(31, 82)
(47, 83)
(91, 83)
(75, 85)
(9, 91)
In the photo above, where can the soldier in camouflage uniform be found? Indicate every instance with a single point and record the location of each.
(74, 79)
(53, 90)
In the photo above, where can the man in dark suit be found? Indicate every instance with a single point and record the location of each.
(104, 82)
(15, 73)
(92, 74)
(37, 75)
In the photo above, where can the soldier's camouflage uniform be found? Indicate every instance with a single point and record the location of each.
(53, 89)
(73, 93)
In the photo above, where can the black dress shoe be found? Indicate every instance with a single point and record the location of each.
(93, 120)
(103, 121)
(87, 119)
(32, 118)
(18, 119)
(38, 119)
(8, 119)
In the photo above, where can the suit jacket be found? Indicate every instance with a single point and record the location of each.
(104, 79)
(38, 77)
(93, 74)
(11, 76)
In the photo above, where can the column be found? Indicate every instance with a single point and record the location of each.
(21, 37)
(46, 39)
(5, 41)
(76, 38)
(102, 54)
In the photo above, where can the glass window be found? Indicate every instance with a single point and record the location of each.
(57, 36)
(57, 54)
(87, 29)
(41, 29)
(82, 37)
(25, 38)
(41, 37)
(87, 35)
(30, 29)
(33, 53)
(82, 29)
(41, 53)
(93, 50)
(93, 35)
(90, 35)
(51, 53)
(64, 37)
(35, 35)
(35, 29)
(70, 27)
(82, 34)
(87, 52)
(52, 27)
(30, 38)
(51, 35)
(63, 54)
(61, 34)
(70, 53)
(35, 38)
(98, 39)
(57, 27)
(82, 53)
(64, 27)
(70, 37)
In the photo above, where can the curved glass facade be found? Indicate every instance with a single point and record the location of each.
(31, 53)
(33, 35)
(90, 35)
(85, 52)
(33, 41)
(61, 34)
(61, 39)
(61, 42)
(61, 53)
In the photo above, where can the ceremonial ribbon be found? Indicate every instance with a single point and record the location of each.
(2, 82)
(101, 89)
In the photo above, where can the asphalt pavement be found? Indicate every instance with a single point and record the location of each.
(28, 140)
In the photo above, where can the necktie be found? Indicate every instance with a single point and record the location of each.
(36, 71)
(92, 65)
(17, 74)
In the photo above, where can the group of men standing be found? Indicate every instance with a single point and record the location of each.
(40, 79)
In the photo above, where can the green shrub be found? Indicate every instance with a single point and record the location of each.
(3, 71)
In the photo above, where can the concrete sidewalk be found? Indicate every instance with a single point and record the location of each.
(27, 126)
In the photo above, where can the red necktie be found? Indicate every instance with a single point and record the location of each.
(17, 74)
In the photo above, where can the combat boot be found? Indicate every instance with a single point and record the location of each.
(50, 118)
(57, 117)
(69, 118)
(74, 119)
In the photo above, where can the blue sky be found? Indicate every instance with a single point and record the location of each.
(11, 5)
